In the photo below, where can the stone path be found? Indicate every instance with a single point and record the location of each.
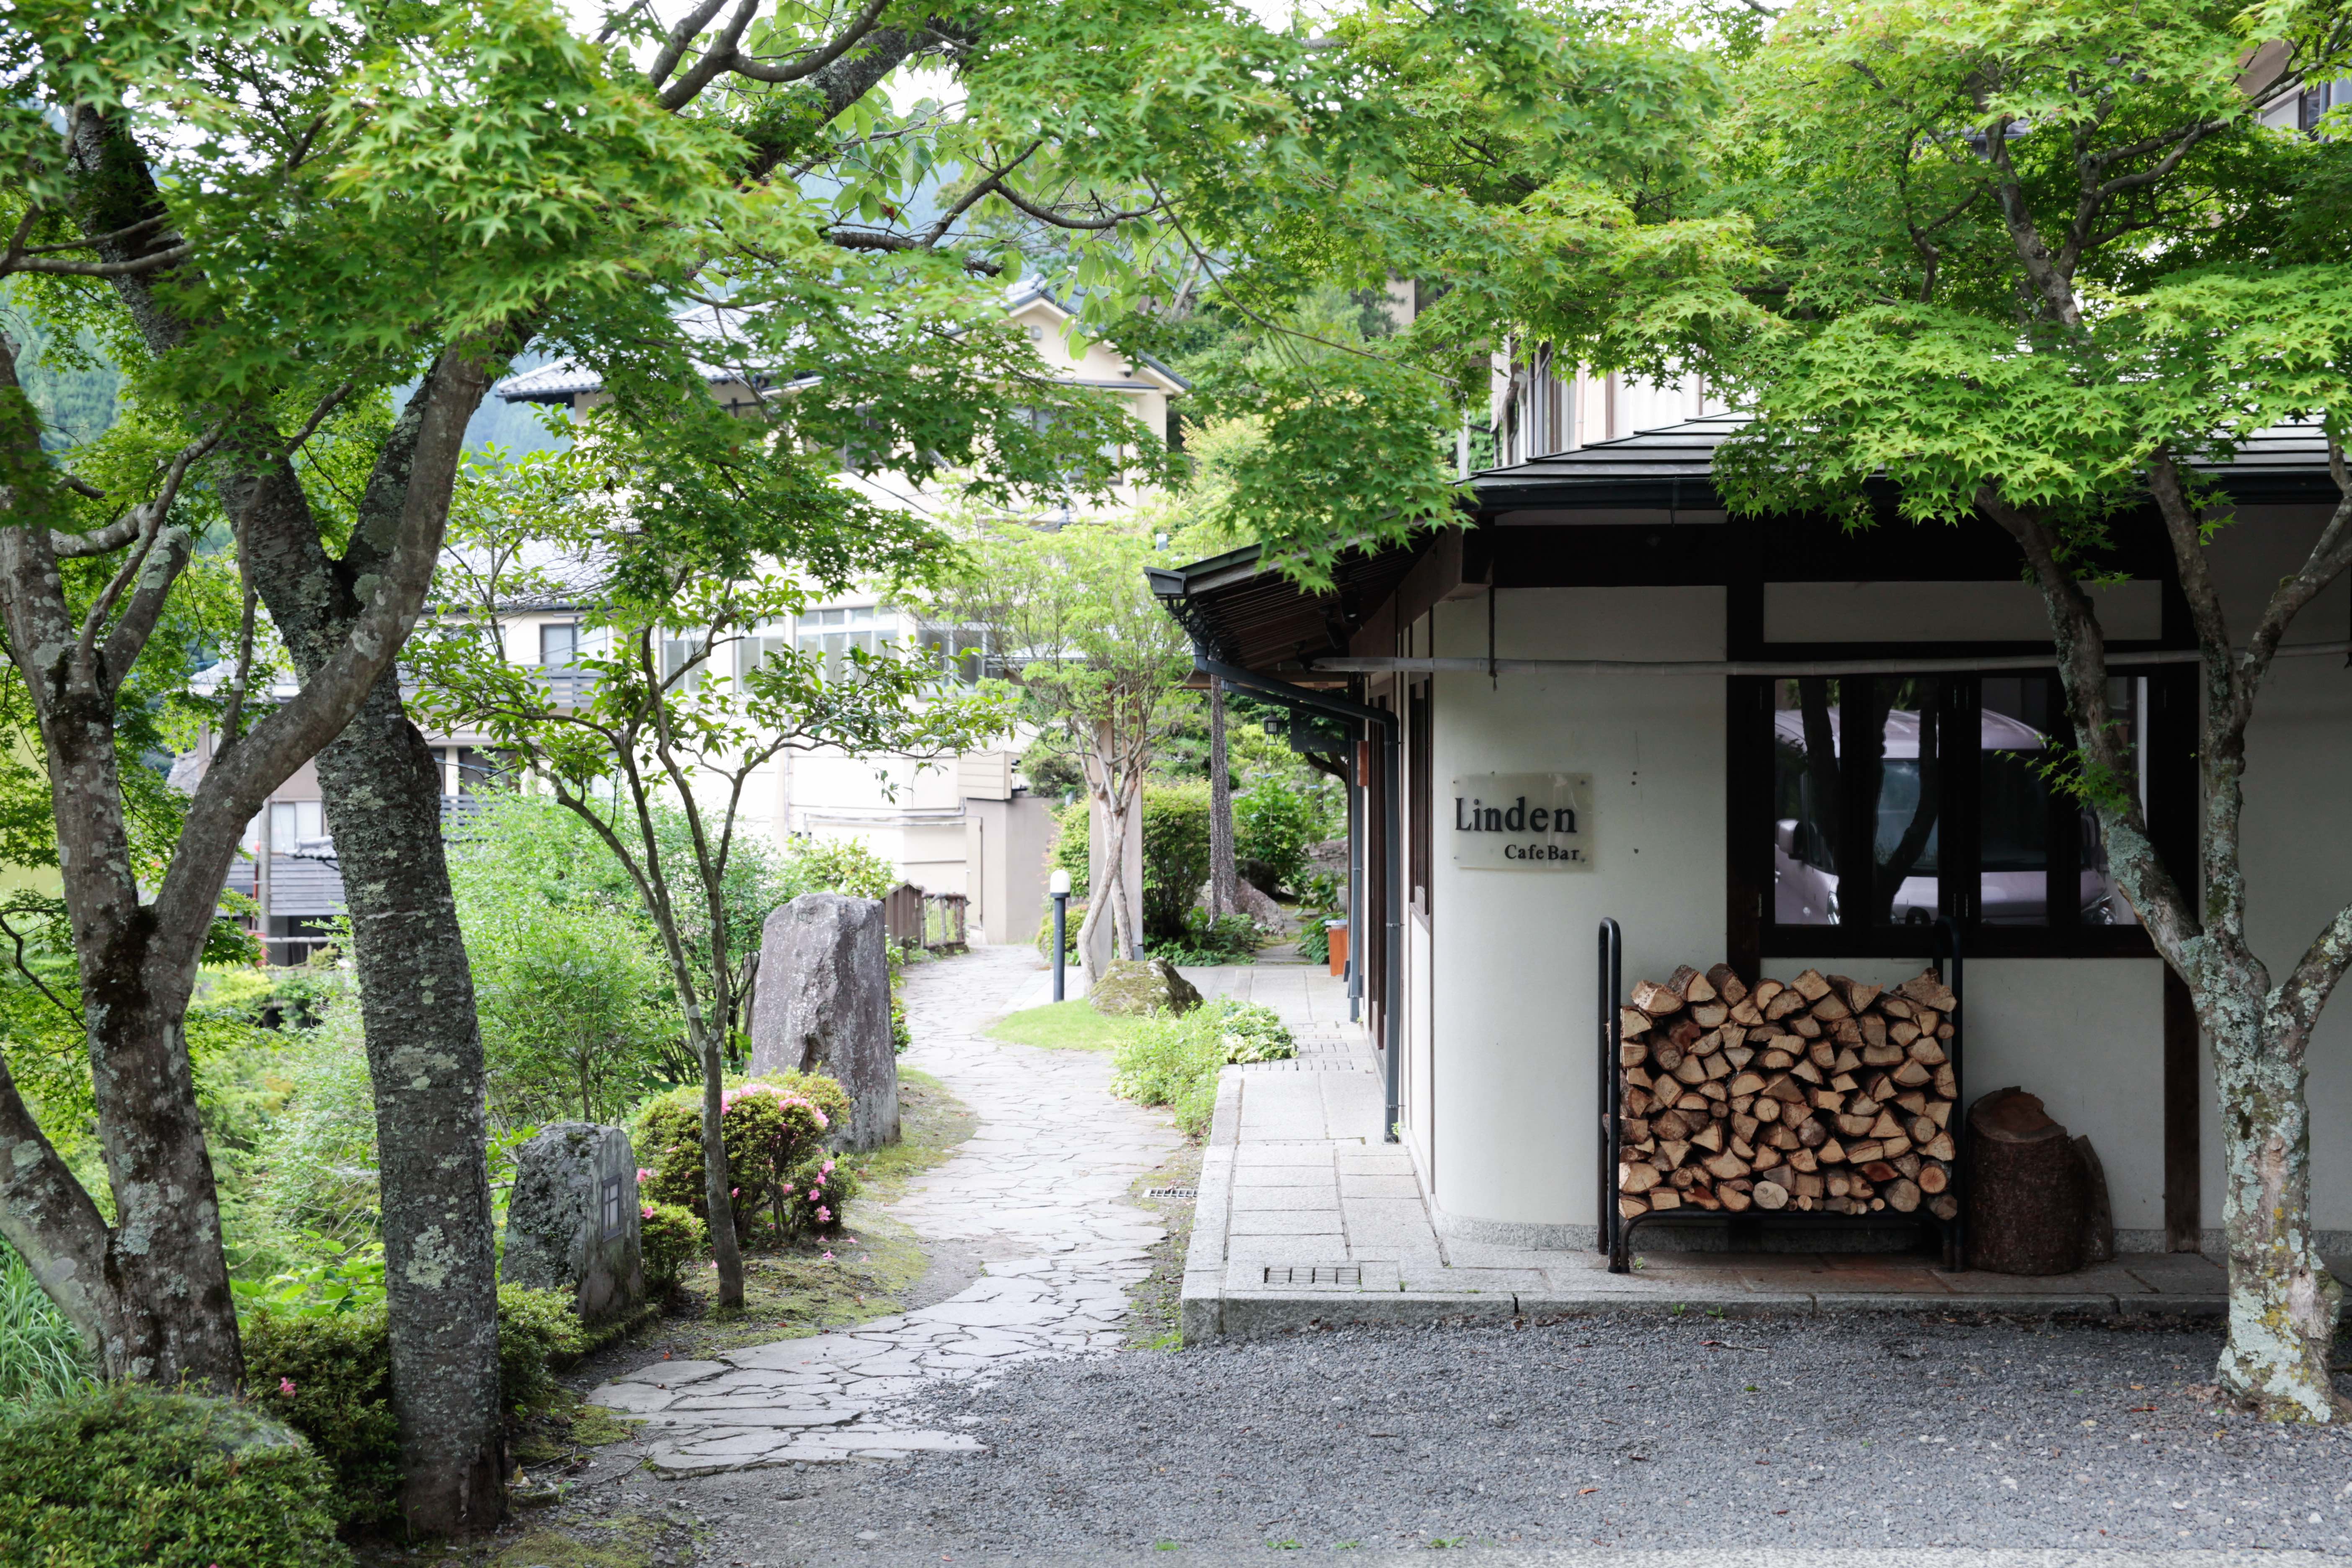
(1039, 1191)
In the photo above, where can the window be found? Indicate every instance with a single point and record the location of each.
(832, 633)
(959, 651)
(559, 645)
(757, 645)
(293, 821)
(685, 657)
(1889, 802)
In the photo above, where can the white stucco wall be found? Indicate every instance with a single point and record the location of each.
(1513, 1140)
(1500, 1080)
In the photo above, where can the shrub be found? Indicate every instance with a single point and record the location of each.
(127, 1477)
(774, 1129)
(848, 866)
(535, 1328)
(671, 1237)
(1171, 1062)
(901, 1035)
(1314, 941)
(1174, 1061)
(1232, 939)
(1071, 849)
(1275, 822)
(327, 1376)
(1175, 856)
(41, 1352)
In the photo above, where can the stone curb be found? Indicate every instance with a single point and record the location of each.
(1261, 1314)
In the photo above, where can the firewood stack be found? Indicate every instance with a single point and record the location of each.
(1820, 1094)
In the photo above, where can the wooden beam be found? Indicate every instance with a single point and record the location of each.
(2183, 1172)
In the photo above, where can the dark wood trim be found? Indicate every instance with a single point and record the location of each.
(1747, 793)
(2184, 1230)
(1750, 750)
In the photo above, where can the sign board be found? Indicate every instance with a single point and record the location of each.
(1523, 822)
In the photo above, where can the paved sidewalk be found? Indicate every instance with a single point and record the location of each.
(1040, 1191)
(1305, 1217)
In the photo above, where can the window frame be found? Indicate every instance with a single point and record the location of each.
(1750, 799)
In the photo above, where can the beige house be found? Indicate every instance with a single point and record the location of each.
(967, 825)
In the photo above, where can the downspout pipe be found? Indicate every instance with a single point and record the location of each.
(1391, 744)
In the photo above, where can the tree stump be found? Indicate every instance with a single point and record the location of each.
(2028, 1206)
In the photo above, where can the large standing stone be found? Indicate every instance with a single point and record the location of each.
(823, 1004)
(1133, 988)
(571, 1221)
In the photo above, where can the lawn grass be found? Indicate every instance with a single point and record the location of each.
(1063, 1026)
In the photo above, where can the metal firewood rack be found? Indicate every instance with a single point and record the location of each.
(1615, 1232)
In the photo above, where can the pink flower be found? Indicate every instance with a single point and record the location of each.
(286, 1387)
(734, 1191)
(828, 1258)
(821, 1123)
(646, 1212)
(788, 1186)
(643, 1175)
(824, 1216)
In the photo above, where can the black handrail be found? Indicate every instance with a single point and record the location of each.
(1612, 982)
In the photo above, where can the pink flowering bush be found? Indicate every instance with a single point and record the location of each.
(775, 1127)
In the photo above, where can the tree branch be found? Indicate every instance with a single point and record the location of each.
(153, 261)
(799, 70)
(673, 47)
(47, 1216)
(713, 60)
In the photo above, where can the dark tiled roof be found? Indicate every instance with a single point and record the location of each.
(1250, 614)
(1670, 466)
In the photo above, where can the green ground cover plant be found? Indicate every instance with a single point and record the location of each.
(129, 1477)
(1175, 1061)
(1063, 1026)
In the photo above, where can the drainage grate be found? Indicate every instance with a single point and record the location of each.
(1170, 1192)
(1319, 1274)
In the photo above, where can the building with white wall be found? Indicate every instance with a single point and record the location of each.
(1700, 840)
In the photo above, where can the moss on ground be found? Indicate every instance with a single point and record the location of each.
(626, 1540)
(1155, 1301)
(1062, 1026)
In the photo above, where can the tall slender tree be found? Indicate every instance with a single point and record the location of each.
(2036, 264)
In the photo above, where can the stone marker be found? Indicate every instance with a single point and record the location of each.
(572, 1222)
(1132, 987)
(823, 1006)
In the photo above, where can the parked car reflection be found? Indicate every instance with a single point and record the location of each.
(2013, 838)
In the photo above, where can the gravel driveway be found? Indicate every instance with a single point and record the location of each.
(1891, 1434)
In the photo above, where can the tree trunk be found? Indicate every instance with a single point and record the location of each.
(1123, 915)
(165, 1310)
(383, 790)
(1224, 892)
(2282, 1302)
(718, 1186)
(382, 787)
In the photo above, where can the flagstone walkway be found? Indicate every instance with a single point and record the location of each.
(1040, 1193)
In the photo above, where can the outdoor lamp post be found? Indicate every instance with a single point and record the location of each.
(1058, 884)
